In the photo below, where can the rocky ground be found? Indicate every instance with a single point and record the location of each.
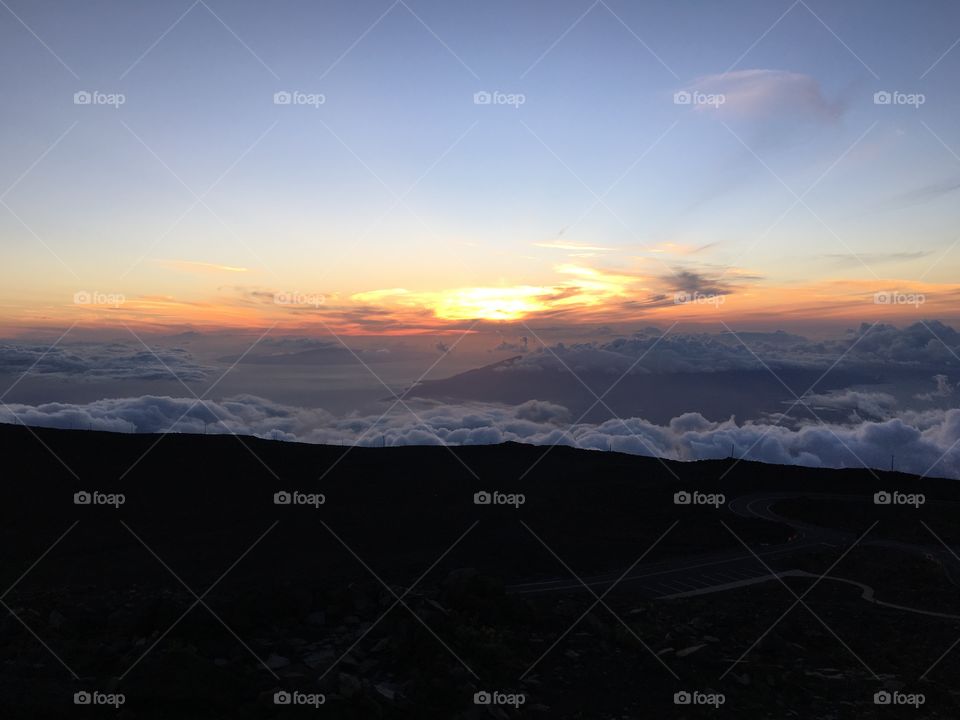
(289, 605)
(369, 656)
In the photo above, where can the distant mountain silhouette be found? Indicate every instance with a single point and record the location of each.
(657, 397)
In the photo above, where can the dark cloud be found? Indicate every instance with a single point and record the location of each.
(101, 361)
(505, 345)
(696, 283)
(921, 345)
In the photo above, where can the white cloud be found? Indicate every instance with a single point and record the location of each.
(764, 93)
(922, 442)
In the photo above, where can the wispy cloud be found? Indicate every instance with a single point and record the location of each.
(200, 267)
(570, 245)
(765, 93)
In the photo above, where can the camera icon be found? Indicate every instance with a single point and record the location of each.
(82, 698)
(882, 298)
(282, 697)
(82, 498)
(82, 97)
(682, 498)
(282, 98)
(682, 698)
(882, 97)
(282, 498)
(482, 98)
(882, 698)
(482, 498)
(482, 698)
(682, 98)
(82, 297)
(882, 498)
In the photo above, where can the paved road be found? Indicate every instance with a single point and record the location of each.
(724, 570)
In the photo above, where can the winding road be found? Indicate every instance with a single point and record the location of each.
(727, 570)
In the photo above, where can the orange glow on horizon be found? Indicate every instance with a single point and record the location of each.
(585, 296)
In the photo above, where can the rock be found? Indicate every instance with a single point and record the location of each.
(689, 650)
(466, 589)
(348, 684)
(387, 691)
(275, 662)
(323, 656)
(351, 659)
(56, 620)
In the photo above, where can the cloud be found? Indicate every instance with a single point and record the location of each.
(101, 361)
(569, 245)
(692, 282)
(870, 259)
(505, 345)
(858, 404)
(926, 443)
(764, 94)
(944, 389)
(242, 414)
(927, 193)
(928, 344)
(200, 267)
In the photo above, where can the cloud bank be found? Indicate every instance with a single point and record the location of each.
(100, 361)
(922, 442)
(928, 344)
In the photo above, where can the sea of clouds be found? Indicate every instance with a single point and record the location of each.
(921, 442)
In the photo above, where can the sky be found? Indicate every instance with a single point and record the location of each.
(326, 199)
(583, 190)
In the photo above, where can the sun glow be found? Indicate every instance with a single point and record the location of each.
(491, 303)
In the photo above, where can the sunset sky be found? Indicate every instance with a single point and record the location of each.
(384, 200)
